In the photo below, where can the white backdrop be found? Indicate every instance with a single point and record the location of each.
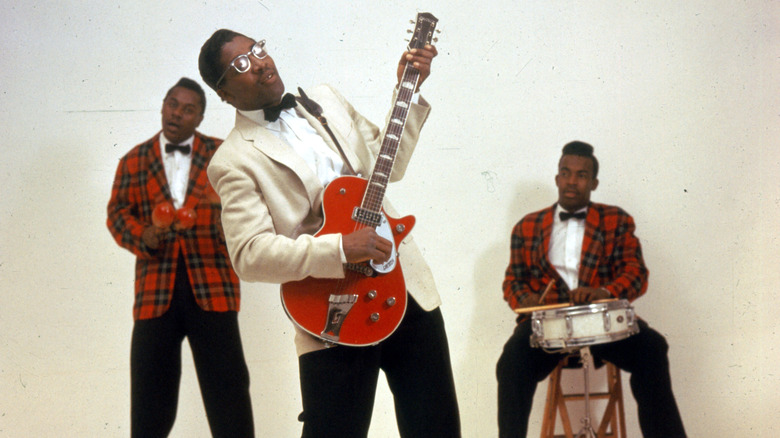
(680, 100)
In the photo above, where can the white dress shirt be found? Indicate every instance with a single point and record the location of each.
(177, 169)
(566, 246)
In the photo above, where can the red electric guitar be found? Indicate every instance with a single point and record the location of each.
(368, 304)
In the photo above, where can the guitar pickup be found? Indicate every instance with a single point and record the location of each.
(362, 268)
(368, 217)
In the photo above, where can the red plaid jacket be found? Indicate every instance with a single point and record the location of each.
(140, 184)
(611, 257)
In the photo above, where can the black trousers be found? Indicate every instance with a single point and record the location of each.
(338, 384)
(644, 355)
(155, 365)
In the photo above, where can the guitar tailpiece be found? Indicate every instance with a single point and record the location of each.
(338, 309)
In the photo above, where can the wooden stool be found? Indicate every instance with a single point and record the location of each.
(614, 415)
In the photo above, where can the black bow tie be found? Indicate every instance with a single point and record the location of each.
(272, 114)
(184, 149)
(565, 215)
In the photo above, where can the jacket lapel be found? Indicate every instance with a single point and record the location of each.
(544, 249)
(279, 151)
(592, 244)
(198, 178)
(157, 171)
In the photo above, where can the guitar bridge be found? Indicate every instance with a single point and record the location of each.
(338, 309)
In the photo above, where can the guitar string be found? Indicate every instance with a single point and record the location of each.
(389, 148)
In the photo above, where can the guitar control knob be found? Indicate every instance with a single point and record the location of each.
(374, 317)
(390, 301)
(343, 191)
(400, 228)
(371, 294)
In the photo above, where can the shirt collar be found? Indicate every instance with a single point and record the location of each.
(258, 116)
(558, 208)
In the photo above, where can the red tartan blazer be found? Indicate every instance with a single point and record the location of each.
(140, 184)
(611, 257)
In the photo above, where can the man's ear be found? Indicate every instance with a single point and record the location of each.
(595, 184)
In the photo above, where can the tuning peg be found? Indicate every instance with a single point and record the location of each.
(409, 31)
(435, 40)
(411, 21)
(437, 31)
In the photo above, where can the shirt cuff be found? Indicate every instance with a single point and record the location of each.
(341, 250)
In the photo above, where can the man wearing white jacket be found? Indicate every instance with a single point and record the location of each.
(270, 174)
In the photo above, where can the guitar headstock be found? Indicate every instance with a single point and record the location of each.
(424, 28)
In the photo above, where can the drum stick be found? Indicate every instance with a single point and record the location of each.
(521, 310)
(547, 289)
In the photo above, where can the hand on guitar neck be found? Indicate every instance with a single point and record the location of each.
(365, 244)
(420, 59)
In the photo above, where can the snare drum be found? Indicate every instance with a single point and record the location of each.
(569, 328)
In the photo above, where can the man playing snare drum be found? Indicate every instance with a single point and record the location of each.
(584, 252)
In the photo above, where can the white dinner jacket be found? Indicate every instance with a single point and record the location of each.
(272, 200)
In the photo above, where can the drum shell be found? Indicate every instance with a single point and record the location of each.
(569, 328)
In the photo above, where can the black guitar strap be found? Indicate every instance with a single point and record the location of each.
(315, 109)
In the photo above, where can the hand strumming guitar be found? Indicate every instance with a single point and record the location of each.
(365, 244)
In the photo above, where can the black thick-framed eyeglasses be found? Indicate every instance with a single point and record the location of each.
(242, 63)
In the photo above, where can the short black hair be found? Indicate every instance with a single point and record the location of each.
(581, 149)
(208, 61)
(193, 86)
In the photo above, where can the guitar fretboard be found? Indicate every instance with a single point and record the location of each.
(377, 182)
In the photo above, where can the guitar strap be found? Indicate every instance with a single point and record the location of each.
(315, 109)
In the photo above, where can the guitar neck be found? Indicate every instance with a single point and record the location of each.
(370, 209)
(380, 177)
